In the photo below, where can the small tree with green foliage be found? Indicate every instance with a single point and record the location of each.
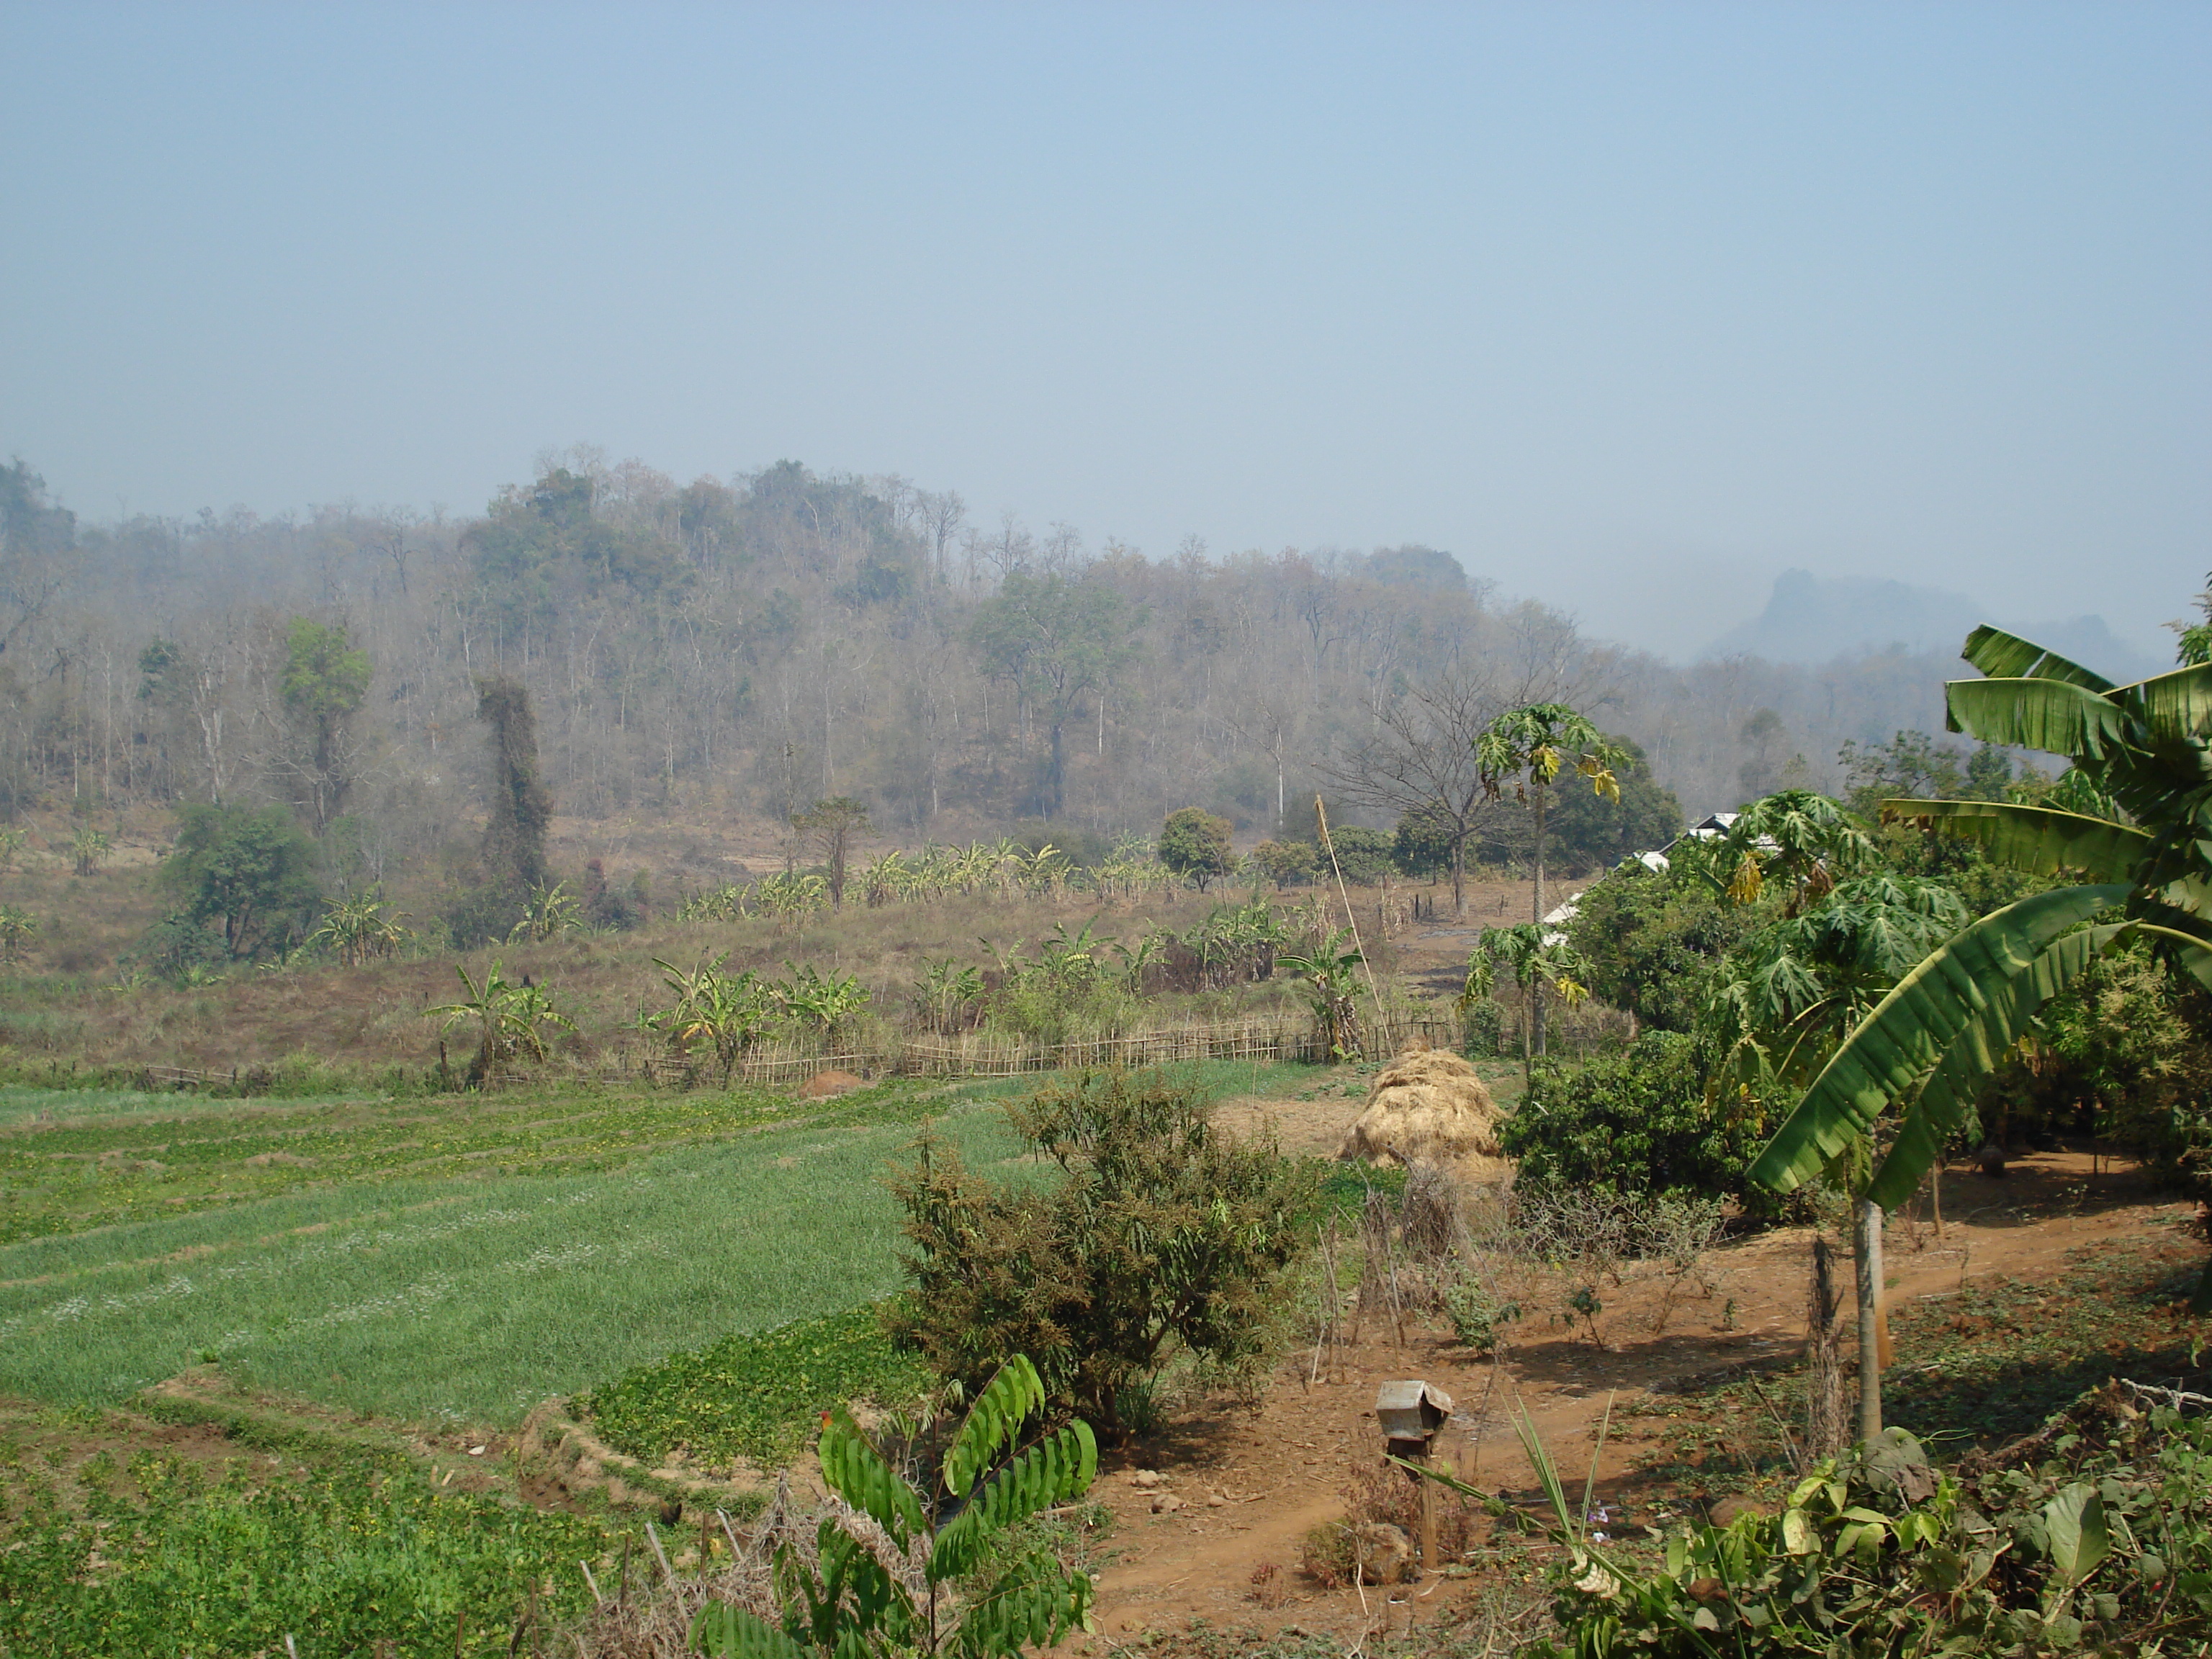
(1163, 1235)
(252, 869)
(1194, 844)
(1531, 747)
(950, 1490)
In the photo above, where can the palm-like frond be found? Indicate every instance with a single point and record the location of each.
(2056, 716)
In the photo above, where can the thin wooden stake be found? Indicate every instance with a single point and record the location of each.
(653, 1536)
(597, 1600)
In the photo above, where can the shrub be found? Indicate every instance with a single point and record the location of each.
(1162, 1236)
(251, 870)
(1636, 1123)
(1649, 941)
(1363, 854)
(1284, 862)
(2128, 1044)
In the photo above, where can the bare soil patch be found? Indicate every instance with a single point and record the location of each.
(1253, 1482)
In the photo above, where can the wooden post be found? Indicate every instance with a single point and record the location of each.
(1428, 1514)
(1868, 1249)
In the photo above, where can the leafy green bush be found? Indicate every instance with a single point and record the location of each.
(251, 870)
(2096, 1534)
(1162, 1236)
(1650, 939)
(1477, 1314)
(1633, 1123)
(757, 1394)
(2129, 1046)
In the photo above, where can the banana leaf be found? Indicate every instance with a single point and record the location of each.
(2052, 715)
(2037, 839)
(2177, 705)
(1973, 1055)
(2005, 656)
(1912, 1027)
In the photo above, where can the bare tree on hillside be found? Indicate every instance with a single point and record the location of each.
(1420, 759)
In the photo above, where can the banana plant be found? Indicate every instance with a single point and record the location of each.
(1071, 962)
(361, 928)
(2141, 869)
(511, 1019)
(88, 849)
(788, 898)
(977, 1598)
(1332, 971)
(1133, 959)
(729, 1011)
(17, 929)
(549, 911)
(945, 991)
(826, 1002)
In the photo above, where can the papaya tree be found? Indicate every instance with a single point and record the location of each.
(1538, 958)
(2135, 845)
(1530, 746)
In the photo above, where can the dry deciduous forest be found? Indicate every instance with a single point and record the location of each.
(741, 648)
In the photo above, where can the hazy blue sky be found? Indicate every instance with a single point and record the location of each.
(1631, 306)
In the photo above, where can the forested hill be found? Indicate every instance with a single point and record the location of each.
(753, 645)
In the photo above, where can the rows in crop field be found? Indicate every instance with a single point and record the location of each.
(473, 1298)
(70, 1161)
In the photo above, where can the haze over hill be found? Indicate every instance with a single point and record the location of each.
(1816, 619)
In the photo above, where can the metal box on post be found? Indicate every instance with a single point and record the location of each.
(1410, 1413)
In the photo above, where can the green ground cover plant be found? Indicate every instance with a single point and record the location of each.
(75, 1159)
(758, 1394)
(154, 1557)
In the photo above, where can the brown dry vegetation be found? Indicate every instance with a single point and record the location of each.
(66, 1006)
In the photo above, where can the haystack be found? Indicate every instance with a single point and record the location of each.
(1425, 1107)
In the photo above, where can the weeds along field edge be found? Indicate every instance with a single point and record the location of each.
(470, 1299)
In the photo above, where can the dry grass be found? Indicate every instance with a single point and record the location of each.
(63, 1005)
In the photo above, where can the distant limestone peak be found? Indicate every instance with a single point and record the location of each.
(1816, 619)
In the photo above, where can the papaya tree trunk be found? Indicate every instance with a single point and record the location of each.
(1536, 984)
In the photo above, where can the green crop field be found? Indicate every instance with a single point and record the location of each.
(439, 1258)
(468, 1296)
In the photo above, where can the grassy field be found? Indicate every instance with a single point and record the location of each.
(442, 1259)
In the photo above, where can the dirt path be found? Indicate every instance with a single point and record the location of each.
(1251, 1484)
